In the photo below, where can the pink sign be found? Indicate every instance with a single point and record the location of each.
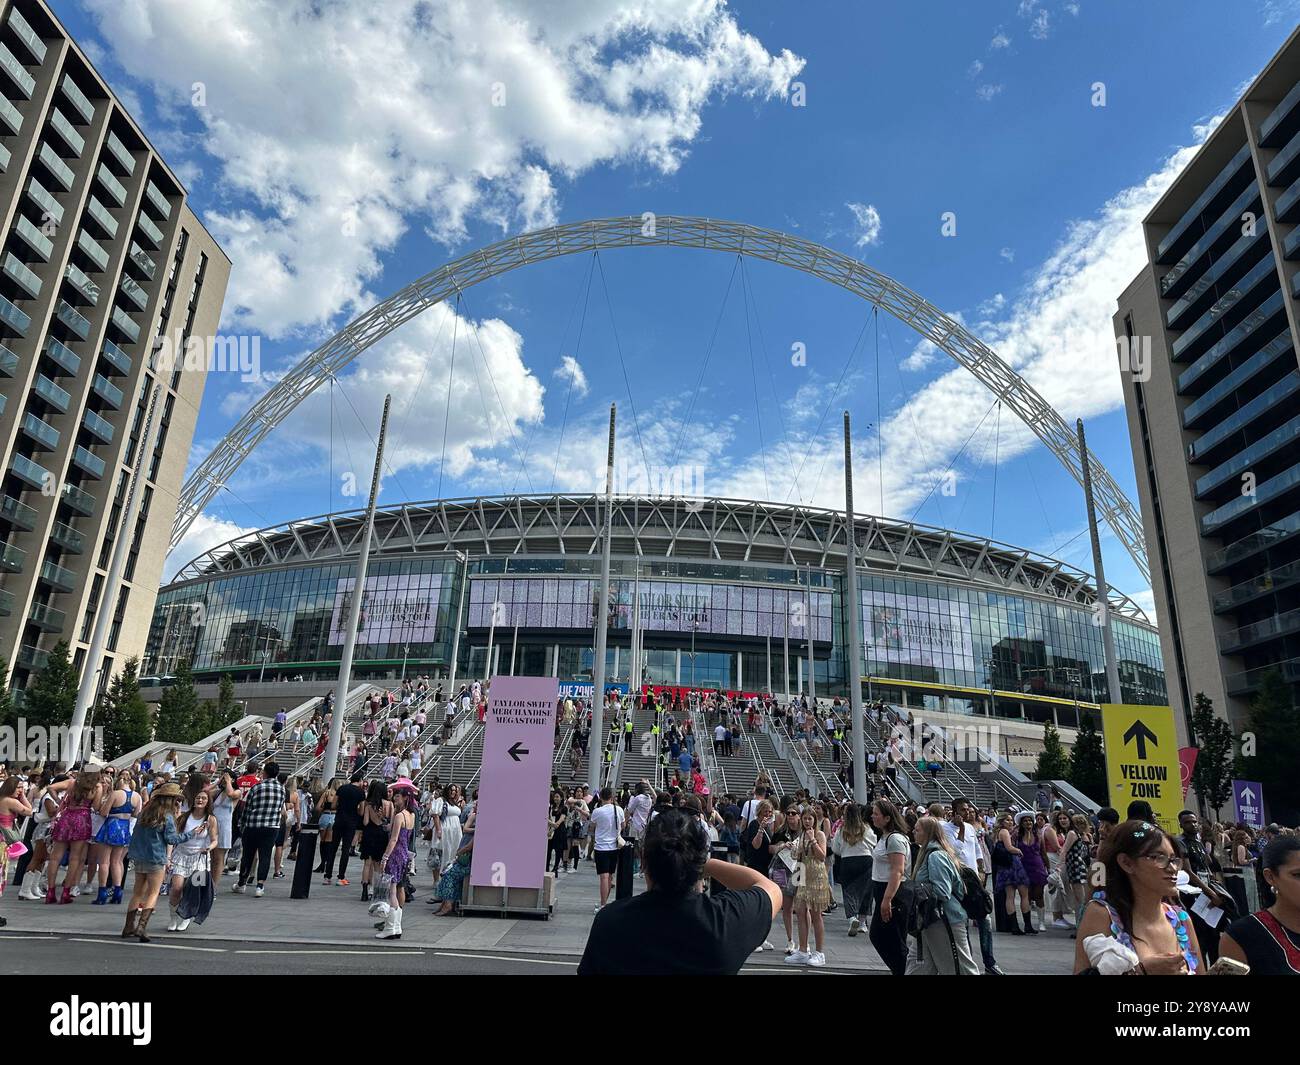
(515, 784)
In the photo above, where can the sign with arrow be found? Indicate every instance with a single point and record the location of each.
(1248, 798)
(514, 786)
(1142, 759)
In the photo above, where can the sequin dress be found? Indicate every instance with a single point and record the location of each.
(395, 868)
(815, 890)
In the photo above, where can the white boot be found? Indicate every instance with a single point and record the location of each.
(31, 889)
(175, 922)
(391, 929)
(184, 924)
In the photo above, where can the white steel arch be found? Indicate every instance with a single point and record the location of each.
(681, 231)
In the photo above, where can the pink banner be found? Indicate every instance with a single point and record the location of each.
(514, 786)
(1186, 763)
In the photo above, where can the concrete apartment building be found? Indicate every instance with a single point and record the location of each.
(100, 260)
(1215, 428)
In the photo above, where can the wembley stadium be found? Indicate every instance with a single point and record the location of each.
(727, 594)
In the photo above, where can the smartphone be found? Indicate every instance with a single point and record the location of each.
(1229, 967)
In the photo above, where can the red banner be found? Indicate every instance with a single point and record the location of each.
(1186, 763)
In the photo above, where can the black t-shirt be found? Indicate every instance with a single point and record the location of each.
(759, 857)
(654, 934)
(350, 797)
(1265, 955)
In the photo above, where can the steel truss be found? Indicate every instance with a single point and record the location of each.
(677, 231)
(724, 530)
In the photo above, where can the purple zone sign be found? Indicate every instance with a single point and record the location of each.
(514, 787)
(1248, 798)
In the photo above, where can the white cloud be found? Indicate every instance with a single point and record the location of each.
(1009, 254)
(205, 533)
(975, 69)
(338, 125)
(1146, 599)
(1000, 40)
(987, 92)
(570, 370)
(1040, 28)
(867, 219)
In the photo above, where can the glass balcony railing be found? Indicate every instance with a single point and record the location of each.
(1225, 177)
(93, 249)
(33, 657)
(13, 118)
(100, 214)
(5, 156)
(25, 82)
(17, 320)
(1284, 389)
(17, 514)
(56, 166)
(158, 200)
(77, 98)
(141, 259)
(133, 292)
(114, 187)
(80, 280)
(1275, 580)
(8, 362)
(82, 502)
(1228, 221)
(47, 203)
(63, 579)
(114, 144)
(1272, 489)
(1252, 544)
(12, 558)
(88, 461)
(118, 359)
(1272, 351)
(107, 391)
(60, 124)
(98, 427)
(46, 618)
(78, 323)
(27, 35)
(33, 473)
(1244, 460)
(6, 603)
(42, 434)
(52, 393)
(126, 324)
(149, 229)
(1268, 629)
(33, 237)
(15, 268)
(1263, 271)
(1254, 322)
(67, 538)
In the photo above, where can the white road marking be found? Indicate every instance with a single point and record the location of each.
(361, 953)
(495, 957)
(152, 943)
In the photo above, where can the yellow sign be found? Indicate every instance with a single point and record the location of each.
(1142, 760)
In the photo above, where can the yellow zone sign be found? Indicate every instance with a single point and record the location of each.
(1142, 760)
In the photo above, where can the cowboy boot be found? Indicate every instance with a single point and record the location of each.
(128, 929)
(117, 896)
(101, 898)
(66, 897)
(144, 923)
(52, 895)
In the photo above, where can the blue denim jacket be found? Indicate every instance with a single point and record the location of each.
(149, 844)
(941, 874)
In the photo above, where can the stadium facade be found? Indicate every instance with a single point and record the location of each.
(729, 591)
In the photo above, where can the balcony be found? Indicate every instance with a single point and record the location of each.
(1275, 580)
(33, 473)
(25, 82)
(33, 237)
(45, 436)
(12, 558)
(1261, 318)
(17, 514)
(107, 391)
(8, 362)
(114, 144)
(33, 657)
(138, 257)
(50, 207)
(126, 324)
(6, 603)
(114, 187)
(1274, 488)
(56, 166)
(88, 462)
(146, 226)
(93, 249)
(98, 427)
(52, 393)
(46, 618)
(1249, 680)
(1187, 344)
(27, 35)
(1259, 631)
(15, 319)
(80, 280)
(78, 99)
(1182, 228)
(118, 359)
(21, 275)
(67, 538)
(77, 323)
(134, 293)
(82, 502)
(13, 118)
(60, 124)
(103, 219)
(5, 156)
(159, 201)
(1181, 274)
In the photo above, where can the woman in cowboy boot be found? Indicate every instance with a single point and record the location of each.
(154, 832)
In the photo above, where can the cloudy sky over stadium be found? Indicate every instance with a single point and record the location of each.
(407, 133)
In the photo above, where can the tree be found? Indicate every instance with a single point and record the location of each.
(1087, 763)
(1212, 774)
(227, 708)
(123, 714)
(52, 696)
(8, 715)
(1053, 760)
(1271, 748)
(179, 719)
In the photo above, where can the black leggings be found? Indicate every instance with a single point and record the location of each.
(339, 846)
(259, 842)
(559, 844)
(888, 937)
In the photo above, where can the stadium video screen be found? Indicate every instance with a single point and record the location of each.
(396, 608)
(917, 630)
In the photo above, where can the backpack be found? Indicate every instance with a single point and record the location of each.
(977, 902)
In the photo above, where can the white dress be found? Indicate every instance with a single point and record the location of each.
(224, 811)
(451, 834)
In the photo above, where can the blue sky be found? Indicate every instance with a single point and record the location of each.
(338, 151)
